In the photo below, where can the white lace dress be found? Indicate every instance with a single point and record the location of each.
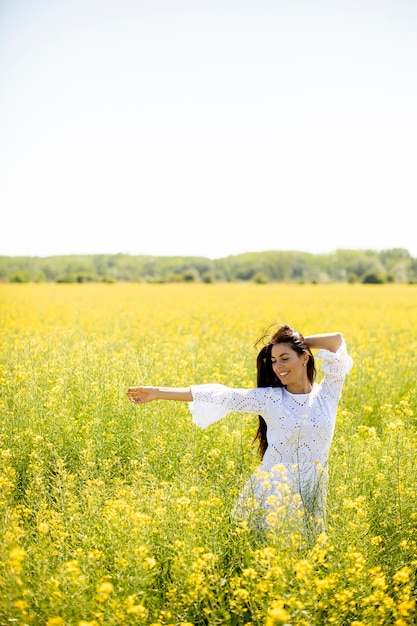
(292, 477)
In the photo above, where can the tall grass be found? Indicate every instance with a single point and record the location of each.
(113, 514)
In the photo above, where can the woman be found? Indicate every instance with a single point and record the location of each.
(296, 425)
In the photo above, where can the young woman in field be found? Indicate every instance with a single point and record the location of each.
(296, 423)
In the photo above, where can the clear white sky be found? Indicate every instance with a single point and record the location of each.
(209, 127)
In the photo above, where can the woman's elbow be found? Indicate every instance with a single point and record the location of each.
(337, 341)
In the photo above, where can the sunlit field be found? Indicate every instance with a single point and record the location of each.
(114, 514)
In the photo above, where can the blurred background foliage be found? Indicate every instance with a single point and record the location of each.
(395, 265)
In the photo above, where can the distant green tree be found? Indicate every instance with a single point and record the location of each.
(191, 275)
(40, 277)
(372, 278)
(352, 278)
(412, 273)
(174, 278)
(259, 278)
(78, 277)
(87, 277)
(20, 277)
(208, 277)
(109, 280)
(66, 278)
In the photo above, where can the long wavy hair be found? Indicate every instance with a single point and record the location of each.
(266, 376)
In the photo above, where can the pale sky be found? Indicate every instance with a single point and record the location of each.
(210, 128)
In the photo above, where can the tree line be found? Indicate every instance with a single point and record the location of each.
(364, 266)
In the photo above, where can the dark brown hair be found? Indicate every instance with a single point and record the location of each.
(265, 374)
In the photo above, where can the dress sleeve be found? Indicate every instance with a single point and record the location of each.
(335, 367)
(213, 401)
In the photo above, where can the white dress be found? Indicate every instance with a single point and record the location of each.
(291, 481)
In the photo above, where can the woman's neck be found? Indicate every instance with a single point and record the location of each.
(303, 387)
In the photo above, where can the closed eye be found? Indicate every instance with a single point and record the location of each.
(284, 358)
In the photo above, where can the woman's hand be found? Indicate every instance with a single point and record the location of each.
(139, 395)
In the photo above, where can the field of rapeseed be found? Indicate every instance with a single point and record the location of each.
(114, 514)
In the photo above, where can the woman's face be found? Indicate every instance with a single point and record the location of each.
(288, 365)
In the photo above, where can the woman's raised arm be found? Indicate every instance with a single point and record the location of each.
(325, 341)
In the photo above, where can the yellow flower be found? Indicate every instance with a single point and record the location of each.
(250, 573)
(376, 541)
(241, 594)
(302, 569)
(104, 590)
(277, 614)
(328, 582)
(406, 606)
(43, 528)
(72, 568)
(55, 621)
(183, 502)
(95, 555)
(22, 606)
(138, 610)
(16, 557)
(402, 576)
(378, 581)
(17, 554)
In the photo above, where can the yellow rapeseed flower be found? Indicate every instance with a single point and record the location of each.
(55, 621)
(406, 606)
(377, 540)
(277, 614)
(16, 557)
(43, 528)
(303, 569)
(378, 578)
(402, 576)
(328, 582)
(104, 590)
(250, 573)
(138, 610)
(22, 606)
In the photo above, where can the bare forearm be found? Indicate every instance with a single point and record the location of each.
(139, 395)
(182, 394)
(325, 341)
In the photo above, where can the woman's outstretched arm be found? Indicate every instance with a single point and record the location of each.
(326, 341)
(139, 395)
